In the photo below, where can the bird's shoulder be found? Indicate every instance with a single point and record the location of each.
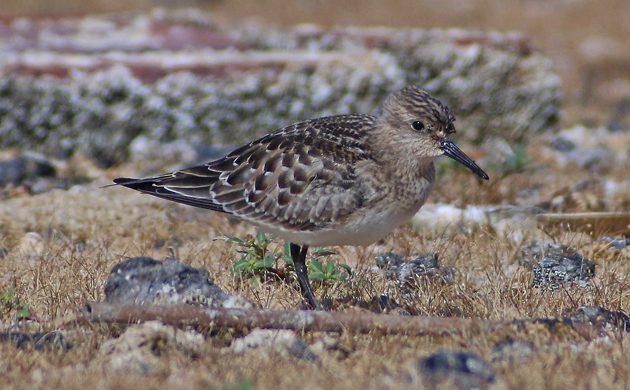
(339, 138)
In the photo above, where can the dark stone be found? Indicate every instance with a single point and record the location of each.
(466, 370)
(29, 166)
(385, 303)
(381, 304)
(534, 251)
(283, 341)
(512, 350)
(143, 280)
(38, 341)
(553, 264)
(405, 271)
(616, 127)
(562, 144)
(389, 260)
(616, 244)
(594, 321)
(550, 272)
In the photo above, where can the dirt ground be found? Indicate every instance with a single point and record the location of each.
(81, 233)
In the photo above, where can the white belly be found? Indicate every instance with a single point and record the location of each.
(360, 230)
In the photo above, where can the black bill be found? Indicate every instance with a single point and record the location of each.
(451, 150)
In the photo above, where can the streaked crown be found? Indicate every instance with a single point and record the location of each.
(412, 103)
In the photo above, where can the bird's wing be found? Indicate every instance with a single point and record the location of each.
(299, 177)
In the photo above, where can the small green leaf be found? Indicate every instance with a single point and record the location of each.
(232, 240)
(8, 297)
(243, 383)
(319, 252)
(240, 265)
(24, 312)
(254, 281)
(317, 276)
(286, 249)
(288, 260)
(267, 262)
(262, 238)
(347, 268)
(316, 265)
(270, 260)
(330, 268)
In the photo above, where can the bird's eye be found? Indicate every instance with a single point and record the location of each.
(417, 125)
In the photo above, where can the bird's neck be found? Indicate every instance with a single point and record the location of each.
(403, 159)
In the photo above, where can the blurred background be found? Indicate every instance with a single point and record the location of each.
(139, 87)
(586, 39)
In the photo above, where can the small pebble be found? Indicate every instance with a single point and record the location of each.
(139, 348)
(38, 341)
(405, 271)
(463, 370)
(596, 322)
(285, 342)
(30, 247)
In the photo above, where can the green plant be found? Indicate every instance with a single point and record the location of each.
(255, 254)
(257, 259)
(329, 272)
(516, 161)
(9, 301)
(243, 383)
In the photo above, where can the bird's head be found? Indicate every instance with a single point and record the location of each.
(425, 123)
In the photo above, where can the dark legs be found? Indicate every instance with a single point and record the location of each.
(299, 262)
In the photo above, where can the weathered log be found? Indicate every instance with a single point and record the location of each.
(299, 320)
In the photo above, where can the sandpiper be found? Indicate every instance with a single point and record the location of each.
(338, 180)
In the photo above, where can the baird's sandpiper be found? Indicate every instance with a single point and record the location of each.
(339, 180)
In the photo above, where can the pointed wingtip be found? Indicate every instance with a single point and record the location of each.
(120, 181)
(123, 180)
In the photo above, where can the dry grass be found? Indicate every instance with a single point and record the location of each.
(86, 231)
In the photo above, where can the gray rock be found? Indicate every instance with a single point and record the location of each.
(31, 247)
(29, 166)
(534, 251)
(38, 341)
(462, 370)
(550, 273)
(139, 348)
(616, 244)
(389, 260)
(553, 264)
(512, 350)
(143, 280)
(592, 159)
(34, 172)
(594, 321)
(285, 342)
(405, 271)
(591, 148)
